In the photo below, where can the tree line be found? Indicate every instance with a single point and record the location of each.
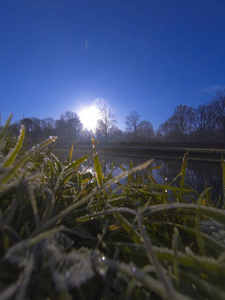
(206, 123)
(69, 128)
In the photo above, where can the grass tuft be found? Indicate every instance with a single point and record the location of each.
(67, 231)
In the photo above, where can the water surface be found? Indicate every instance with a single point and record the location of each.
(199, 174)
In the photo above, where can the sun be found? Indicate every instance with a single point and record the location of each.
(89, 116)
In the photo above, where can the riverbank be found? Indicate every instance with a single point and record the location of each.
(146, 150)
(167, 152)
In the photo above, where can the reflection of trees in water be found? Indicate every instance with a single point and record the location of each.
(199, 176)
(118, 162)
(206, 175)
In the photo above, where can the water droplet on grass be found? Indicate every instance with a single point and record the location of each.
(102, 267)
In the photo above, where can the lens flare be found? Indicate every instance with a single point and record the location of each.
(89, 116)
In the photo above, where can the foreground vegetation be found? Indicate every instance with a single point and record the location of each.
(68, 232)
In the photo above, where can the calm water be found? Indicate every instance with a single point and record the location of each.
(199, 174)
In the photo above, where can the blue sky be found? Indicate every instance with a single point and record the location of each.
(143, 55)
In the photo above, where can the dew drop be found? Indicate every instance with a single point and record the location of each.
(102, 267)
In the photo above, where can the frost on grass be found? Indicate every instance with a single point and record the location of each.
(71, 270)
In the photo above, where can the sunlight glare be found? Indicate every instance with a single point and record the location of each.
(89, 116)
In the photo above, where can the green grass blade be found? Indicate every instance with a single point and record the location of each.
(59, 180)
(198, 231)
(11, 171)
(21, 293)
(57, 163)
(207, 288)
(208, 241)
(98, 170)
(49, 168)
(128, 228)
(176, 260)
(183, 173)
(32, 241)
(49, 204)
(153, 259)
(3, 133)
(77, 162)
(71, 153)
(208, 264)
(10, 158)
(149, 282)
(214, 213)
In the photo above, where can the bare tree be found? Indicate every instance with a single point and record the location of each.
(60, 126)
(145, 130)
(182, 121)
(219, 113)
(106, 122)
(28, 124)
(73, 124)
(14, 129)
(164, 130)
(48, 126)
(204, 123)
(180, 125)
(33, 128)
(116, 135)
(132, 121)
(69, 126)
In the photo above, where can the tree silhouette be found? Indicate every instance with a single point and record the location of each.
(131, 122)
(106, 122)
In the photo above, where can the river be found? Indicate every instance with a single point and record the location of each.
(200, 174)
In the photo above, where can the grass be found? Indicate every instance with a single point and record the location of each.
(68, 232)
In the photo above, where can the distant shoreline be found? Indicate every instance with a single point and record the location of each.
(194, 153)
